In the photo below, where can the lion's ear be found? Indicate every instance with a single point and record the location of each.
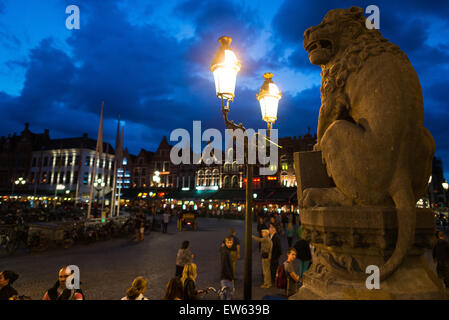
(357, 12)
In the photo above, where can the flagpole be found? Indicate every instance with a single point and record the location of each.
(123, 172)
(80, 165)
(104, 177)
(114, 183)
(97, 151)
(59, 171)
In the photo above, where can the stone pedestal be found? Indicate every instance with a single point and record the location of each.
(348, 239)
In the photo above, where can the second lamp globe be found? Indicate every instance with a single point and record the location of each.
(269, 96)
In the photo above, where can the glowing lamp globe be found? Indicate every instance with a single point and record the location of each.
(225, 67)
(269, 96)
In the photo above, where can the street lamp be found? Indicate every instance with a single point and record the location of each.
(99, 185)
(269, 96)
(225, 67)
(157, 178)
(445, 187)
(19, 181)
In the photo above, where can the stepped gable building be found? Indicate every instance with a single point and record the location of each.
(15, 157)
(141, 175)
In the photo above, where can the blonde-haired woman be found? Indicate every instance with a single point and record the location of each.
(188, 281)
(137, 289)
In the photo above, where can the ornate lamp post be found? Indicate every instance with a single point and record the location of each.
(225, 67)
(99, 186)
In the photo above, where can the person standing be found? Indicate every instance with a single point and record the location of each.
(440, 254)
(7, 278)
(59, 291)
(266, 249)
(276, 250)
(276, 224)
(178, 223)
(261, 226)
(235, 249)
(292, 277)
(140, 225)
(166, 217)
(227, 272)
(184, 256)
(284, 219)
(290, 232)
(304, 256)
(137, 289)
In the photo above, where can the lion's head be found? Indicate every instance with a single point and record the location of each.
(337, 31)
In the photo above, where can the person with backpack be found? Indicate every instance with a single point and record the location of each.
(286, 277)
(59, 291)
(276, 250)
(304, 256)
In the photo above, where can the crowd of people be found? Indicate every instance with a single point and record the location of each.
(273, 230)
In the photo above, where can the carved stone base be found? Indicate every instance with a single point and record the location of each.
(348, 239)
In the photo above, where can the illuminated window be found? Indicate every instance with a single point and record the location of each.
(284, 166)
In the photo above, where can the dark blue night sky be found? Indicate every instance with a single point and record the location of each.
(149, 61)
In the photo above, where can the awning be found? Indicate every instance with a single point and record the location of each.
(190, 194)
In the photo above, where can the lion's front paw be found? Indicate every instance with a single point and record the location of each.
(310, 197)
(323, 197)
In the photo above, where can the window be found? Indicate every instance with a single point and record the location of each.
(77, 160)
(284, 166)
(235, 182)
(87, 162)
(85, 177)
(70, 161)
(226, 182)
(45, 161)
(58, 161)
(144, 171)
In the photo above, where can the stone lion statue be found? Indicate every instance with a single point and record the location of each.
(371, 124)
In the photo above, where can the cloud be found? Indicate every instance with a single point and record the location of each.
(158, 81)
